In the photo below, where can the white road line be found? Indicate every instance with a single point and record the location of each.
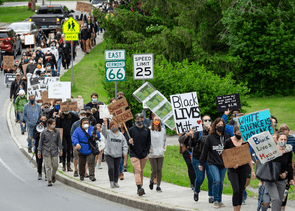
(14, 174)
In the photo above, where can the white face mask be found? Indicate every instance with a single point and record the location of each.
(86, 126)
(31, 62)
(48, 68)
(207, 124)
(57, 46)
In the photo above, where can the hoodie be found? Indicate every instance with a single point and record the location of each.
(141, 142)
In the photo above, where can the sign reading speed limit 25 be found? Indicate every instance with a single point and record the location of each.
(143, 66)
(115, 70)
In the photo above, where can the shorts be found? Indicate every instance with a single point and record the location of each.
(75, 153)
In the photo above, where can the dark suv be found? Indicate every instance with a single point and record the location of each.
(10, 43)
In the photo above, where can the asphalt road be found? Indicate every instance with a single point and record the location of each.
(20, 189)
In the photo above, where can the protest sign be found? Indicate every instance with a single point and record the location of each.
(264, 147)
(169, 121)
(143, 92)
(59, 90)
(237, 155)
(9, 78)
(45, 99)
(61, 132)
(80, 103)
(255, 123)
(68, 106)
(104, 112)
(36, 85)
(186, 112)
(30, 39)
(58, 30)
(81, 23)
(120, 114)
(231, 102)
(83, 7)
(124, 117)
(8, 62)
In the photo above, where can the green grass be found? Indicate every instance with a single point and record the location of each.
(14, 14)
(87, 77)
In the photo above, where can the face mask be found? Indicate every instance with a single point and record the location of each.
(94, 100)
(86, 126)
(139, 123)
(57, 46)
(39, 67)
(207, 124)
(52, 47)
(235, 119)
(275, 126)
(25, 60)
(18, 71)
(24, 79)
(114, 129)
(52, 127)
(48, 68)
(81, 117)
(22, 96)
(282, 143)
(32, 101)
(238, 136)
(156, 122)
(38, 53)
(220, 128)
(43, 123)
(57, 107)
(52, 37)
(46, 110)
(66, 112)
(89, 21)
(42, 44)
(21, 89)
(31, 62)
(17, 78)
(24, 54)
(88, 114)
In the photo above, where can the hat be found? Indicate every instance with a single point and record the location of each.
(87, 108)
(48, 64)
(139, 115)
(22, 92)
(100, 103)
(85, 24)
(82, 112)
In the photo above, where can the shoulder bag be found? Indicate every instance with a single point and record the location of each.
(268, 172)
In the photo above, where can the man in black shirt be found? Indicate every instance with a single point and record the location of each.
(85, 38)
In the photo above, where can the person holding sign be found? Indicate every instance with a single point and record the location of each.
(212, 154)
(238, 174)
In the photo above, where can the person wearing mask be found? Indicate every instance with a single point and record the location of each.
(89, 115)
(156, 155)
(39, 55)
(140, 144)
(36, 135)
(53, 112)
(65, 120)
(85, 37)
(185, 149)
(58, 36)
(82, 114)
(51, 59)
(197, 144)
(31, 67)
(93, 103)
(60, 56)
(115, 146)
(212, 154)
(238, 174)
(14, 87)
(40, 36)
(66, 53)
(38, 70)
(123, 163)
(46, 109)
(19, 105)
(51, 40)
(50, 146)
(96, 114)
(43, 44)
(81, 140)
(276, 189)
(24, 82)
(31, 114)
(90, 26)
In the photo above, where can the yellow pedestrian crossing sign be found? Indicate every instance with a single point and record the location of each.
(71, 26)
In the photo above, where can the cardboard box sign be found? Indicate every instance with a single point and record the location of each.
(118, 107)
(45, 99)
(83, 7)
(81, 22)
(80, 103)
(231, 102)
(68, 106)
(124, 117)
(236, 155)
(8, 62)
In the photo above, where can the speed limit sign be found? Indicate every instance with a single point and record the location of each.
(143, 66)
(115, 71)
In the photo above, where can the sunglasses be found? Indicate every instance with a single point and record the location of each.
(207, 120)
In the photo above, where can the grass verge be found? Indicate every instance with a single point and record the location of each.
(87, 75)
(14, 14)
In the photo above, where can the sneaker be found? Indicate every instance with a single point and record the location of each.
(49, 183)
(116, 185)
(140, 192)
(221, 204)
(99, 167)
(23, 132)
(196, 197)
(216, 204)
(29, 150)
(112, 184)
(92, 179)
(39, 176)
(121, 176)
(53, 179)
(243, 202)
(245, 195)
(158, 189)
(151, 186)
(86, 175)
(81, 178)
(211, 200)
(76, 174)
(125, 169)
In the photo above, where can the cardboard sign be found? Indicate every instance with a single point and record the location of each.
(83, 7)
(45, 99)
(255, 123)
(68, 106)
(81, 22)
(186, 112)
(80, 103)
(236, 155)
(58, 30)
(231, 102)
(9, 78)
(8, 62)
(124, 117)
(61, 130)
(37, 85)
(118, 107)
(104, 112)
(60, 89)
(30, 39)
(264, 147)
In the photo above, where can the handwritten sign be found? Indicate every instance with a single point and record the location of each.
(80, 103)
(68, 106)
(124, 117)
(83, 7)
(118, 107)
(186, 112)
(45, 99)
(104, 112)
(231, 102)
(264, 147)
(81, 22)
(8, 62)
(237, 155)
(255, 123)
(37, 85)
(30, 39)
(59, 90)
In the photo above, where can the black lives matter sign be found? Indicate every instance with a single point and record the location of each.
(231, 102)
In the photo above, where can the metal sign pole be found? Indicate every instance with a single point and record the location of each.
(143, 81)
(116, 89)
(72, 63)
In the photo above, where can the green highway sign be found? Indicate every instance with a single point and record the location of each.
(115, 71)
(114, 55)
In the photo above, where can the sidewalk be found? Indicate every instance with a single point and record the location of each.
(173, 197)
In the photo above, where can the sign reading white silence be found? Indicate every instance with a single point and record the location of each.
(186, 112)
(59, 90)
(264, 147)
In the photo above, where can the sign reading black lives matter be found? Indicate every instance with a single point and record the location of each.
(186, 112)
(231, 102)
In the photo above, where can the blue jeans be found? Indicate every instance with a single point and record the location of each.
(200, 176)
(54, 73)
(218, 178)
(20, 118)
(59, 64)
(30, 136)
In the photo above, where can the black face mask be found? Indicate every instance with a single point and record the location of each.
(220, 128)
(238, 136)
(44, 123)
(88, 114)
(139, 123)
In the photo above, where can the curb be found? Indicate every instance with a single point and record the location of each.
(96, 191)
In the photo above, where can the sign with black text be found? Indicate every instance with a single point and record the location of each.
(186, 112)
(37, 85)
(9, 78)
(231, 102)
(143, 66)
